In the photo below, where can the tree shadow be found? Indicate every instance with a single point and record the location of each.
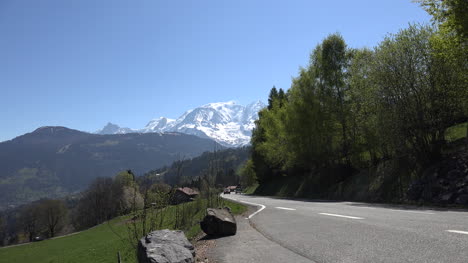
(213, 237)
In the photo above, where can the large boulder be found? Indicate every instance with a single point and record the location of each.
(219, 222)
(165, 246)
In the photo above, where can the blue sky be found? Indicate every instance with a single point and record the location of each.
(81, 64)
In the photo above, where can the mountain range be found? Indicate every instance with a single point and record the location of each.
(54, 161)
(228, 123)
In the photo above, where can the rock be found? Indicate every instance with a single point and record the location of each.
(454, 174)
(165, 246)
(465, 189)
(415, 190)
(447, 198)
(219, 222)
(462, 200)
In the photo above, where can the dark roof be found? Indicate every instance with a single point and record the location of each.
(188, 191)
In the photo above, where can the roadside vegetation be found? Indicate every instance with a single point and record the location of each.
(125, 193)
(103, 242)
(114, 213)
(374, 119)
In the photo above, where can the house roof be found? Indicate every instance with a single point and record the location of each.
(188, 191)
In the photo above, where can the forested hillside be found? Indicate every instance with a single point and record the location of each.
(388, 112)
(221, 166)
(54, 161)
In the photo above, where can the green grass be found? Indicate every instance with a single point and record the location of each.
(456, 132)
(101, 243)
(251, 189)
(98, 244)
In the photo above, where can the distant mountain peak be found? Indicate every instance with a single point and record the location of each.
(228, 123)
(111, 128)
(218, 104)
(53, 130)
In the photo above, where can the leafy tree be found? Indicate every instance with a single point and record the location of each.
(449, 14)
(97, 204)
(125, 178)
(53, 215)
(29, 220)
(262, 169)
(306, 126)
(418, 92)
(334, 63)
(131, 199)
(159, 194)
(363, 108)
(247, 174)
(352, 108)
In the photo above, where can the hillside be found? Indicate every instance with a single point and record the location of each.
(225, 162)
(53, 161)
(103, 242)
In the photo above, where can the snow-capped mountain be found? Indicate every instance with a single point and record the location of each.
(161, 124)
(111, 128)
(228, 123)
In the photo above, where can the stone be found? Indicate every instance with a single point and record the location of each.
(165, 246)
(415, 191)
(454, 174)
(219, 222)
(447, 198)
(462, 200)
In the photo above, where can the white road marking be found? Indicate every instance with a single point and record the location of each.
(285, 208)
(409, 211)
(256, 212)
(458, 232)
(350, 217)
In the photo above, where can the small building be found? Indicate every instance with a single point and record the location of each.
(184, 194)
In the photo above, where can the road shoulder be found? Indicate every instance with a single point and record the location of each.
(248, 245)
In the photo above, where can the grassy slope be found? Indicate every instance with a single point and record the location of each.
(456, 132)
(99, 244)
(251, 189)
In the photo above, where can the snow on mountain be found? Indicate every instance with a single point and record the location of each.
(228, 123)
(111, 128)
(159, 125)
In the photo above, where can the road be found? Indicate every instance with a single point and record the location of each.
(314, 231)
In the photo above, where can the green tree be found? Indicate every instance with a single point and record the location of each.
(96, 203)
(334, 63)
(450, 15)
(53, 215)
(420, 93)
(119, 193)
(272, 97)
(247, 174)
(365, 142)
(29, 220)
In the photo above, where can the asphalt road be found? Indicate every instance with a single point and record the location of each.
(281, 230)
